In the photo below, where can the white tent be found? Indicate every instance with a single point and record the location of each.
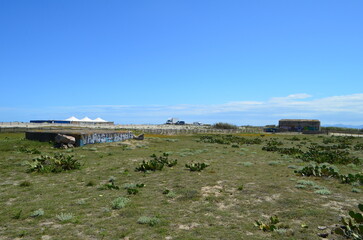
(99, 120)
(86, 119)
(72, 119)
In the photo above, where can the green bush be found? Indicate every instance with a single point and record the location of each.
(151, 221)
(352, 178)
(119, 203)
(37, 213)
(222, 125)
(58, 163)
(321, 170)
(156, 163)
(65, 217)
(110, 185)
(323, 154)
(196, 166)
(327, 170)
(235, 141)
(25, 184)
(268, 227)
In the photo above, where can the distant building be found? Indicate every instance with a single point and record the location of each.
(73, 120)
(299, 125)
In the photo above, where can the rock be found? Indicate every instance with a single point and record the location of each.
(65, 139)
(323, 235)
(140, 137)
(63, 146)
(322, 227)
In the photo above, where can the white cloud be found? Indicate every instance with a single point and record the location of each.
(347, 109)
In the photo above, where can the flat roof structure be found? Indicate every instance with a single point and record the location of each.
(300, 125)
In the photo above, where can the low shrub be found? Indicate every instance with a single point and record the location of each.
(25, 184)
(235, 141)
(222, 125)
(65, 217)
(247, 164)
(156, 163)
(110, 185)
(151, 221)
(29, 150)
(37, 213)
(268, 227)
(119, 203)
(322, 154)
(327, 170)
(58, 163)
(196, 166)
(352, 178)
(319, 170)
(323, 191)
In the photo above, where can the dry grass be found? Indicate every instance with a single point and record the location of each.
(205, 205)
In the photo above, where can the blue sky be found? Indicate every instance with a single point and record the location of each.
(242, 62)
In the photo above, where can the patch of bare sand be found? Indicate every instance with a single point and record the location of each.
(341, 207)
(188, 226)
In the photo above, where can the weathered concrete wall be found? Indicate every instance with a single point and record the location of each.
(82, 138)
(104, 137)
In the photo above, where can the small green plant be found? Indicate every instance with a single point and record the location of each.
(65, 217)
(189, 194)
(164, 159)
(240, 188)
(18, 214)
(37, 213)
(58, 163)
(132, 191)
(196, 166)
(111, 184)
(90, 183)
(171, 194)
(119, 203)
(274, 163)
(268, 227)
(353, 226)
(247, 164)
(25, 184)
(30, 151)
(356, 190)
(81, 202)
(132, 188)
(156, 163)
(323, 191)
(151, 221)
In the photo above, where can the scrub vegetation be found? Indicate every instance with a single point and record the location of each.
(241, 186)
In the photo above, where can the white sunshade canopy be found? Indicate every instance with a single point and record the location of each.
(72, 119)
(99, 120)
(86, 119)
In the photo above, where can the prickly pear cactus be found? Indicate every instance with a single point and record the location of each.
(352, 227)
